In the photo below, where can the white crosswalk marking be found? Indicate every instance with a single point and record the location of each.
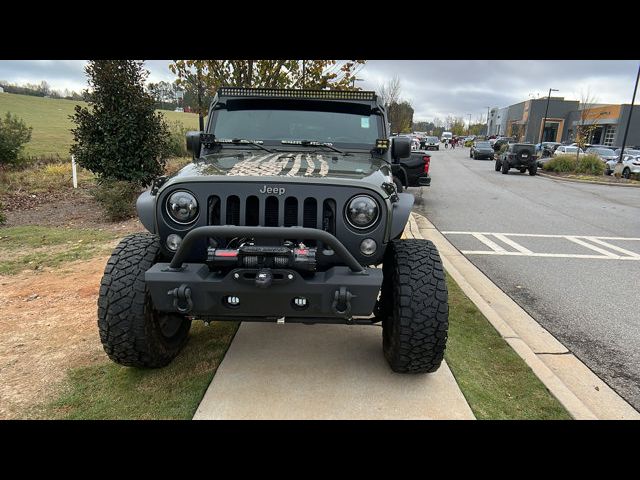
(511, 243)
(592, 247)
(489, 243)
(604, 249)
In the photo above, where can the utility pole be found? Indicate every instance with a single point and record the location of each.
(544, 122)
(618, 167)
(469, 126)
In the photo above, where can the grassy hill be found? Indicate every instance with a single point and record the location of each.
(51, 124)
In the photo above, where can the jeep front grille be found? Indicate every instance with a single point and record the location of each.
(273, 211)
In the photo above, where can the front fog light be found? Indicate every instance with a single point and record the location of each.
(173, 242)
(368, 246)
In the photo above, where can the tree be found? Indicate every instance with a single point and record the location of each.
(400, 116)
(14, 134)
(389, 92)
(586, 123)
(204, 77)
(119, 136)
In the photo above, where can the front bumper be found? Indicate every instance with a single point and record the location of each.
(209, 292)
(195, 289)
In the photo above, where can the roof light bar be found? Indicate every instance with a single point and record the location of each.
(290, 93)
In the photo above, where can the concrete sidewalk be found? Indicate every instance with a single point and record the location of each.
(297, 371)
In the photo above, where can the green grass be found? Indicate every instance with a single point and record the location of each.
(110, 391)
(36, 247)
(496, 382)
(51, 124)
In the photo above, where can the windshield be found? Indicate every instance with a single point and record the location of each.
(603, 151)
(322, 122)
(483, 145)
(432, 139)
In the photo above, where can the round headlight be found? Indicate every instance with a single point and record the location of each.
(362, 211)
(182, 207)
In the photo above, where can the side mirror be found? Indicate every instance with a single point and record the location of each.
(400, 148)
(193, 143)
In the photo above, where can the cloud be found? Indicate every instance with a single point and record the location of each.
(435, 88)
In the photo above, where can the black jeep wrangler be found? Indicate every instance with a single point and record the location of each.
(518, 155)
(285, 212)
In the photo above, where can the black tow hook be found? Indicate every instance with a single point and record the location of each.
(181, 298)
(342, 301)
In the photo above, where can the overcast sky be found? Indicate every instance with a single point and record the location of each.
(436, 88)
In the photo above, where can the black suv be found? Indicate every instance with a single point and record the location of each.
(518, 155)
(285, 212)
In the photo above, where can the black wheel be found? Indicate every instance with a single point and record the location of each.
(413, 307)
(533, 169)
(132, 332)
(398, 183)
(471, 154)
(608, 172)
(626, 173)
(498, 165)
(438, 148)
(505, 167)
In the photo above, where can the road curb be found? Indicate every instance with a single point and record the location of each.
(577, 388)
(575, 180)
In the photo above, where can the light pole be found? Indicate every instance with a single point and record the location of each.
(469, 126)
(544, 123)
(488, 122)
(618, 167)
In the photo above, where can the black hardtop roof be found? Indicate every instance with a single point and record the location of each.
(361, 96)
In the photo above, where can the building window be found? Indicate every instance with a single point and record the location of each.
(608, 137)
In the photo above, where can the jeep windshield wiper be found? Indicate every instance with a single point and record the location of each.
(313, 143)
(236, 141)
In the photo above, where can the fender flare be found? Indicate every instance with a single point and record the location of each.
(146, 208)
(401, 211)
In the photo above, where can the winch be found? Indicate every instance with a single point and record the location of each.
(297, 257)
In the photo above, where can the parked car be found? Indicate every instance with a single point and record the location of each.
(627, 151)
(412, 171)
(430, 143)
(630, 165)
(548, 148)
(519, 155)
(605, 154)
(562, 149)
(481, 150)
(446, 136)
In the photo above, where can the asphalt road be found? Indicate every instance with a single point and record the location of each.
(584, 291)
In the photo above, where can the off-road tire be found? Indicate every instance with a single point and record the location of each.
(129, 326)
(626, 173)
(504, 167)
(533, 170)
(413, 307)
(498, 165)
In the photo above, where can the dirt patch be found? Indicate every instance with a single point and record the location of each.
(75, 209)
(48, 325)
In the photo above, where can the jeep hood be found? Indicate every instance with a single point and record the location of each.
(287, 164)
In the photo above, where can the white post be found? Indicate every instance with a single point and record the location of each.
(73, 172)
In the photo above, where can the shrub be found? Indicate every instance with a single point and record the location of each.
(120, 136)
(117, 197)
(14, 133)
(176, 143)
(590, 164)
(561, 163)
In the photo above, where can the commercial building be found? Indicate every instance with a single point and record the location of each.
(602, 123)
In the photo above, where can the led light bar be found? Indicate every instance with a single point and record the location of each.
(290, 93)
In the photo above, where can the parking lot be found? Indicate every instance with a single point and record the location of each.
(566, 252)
